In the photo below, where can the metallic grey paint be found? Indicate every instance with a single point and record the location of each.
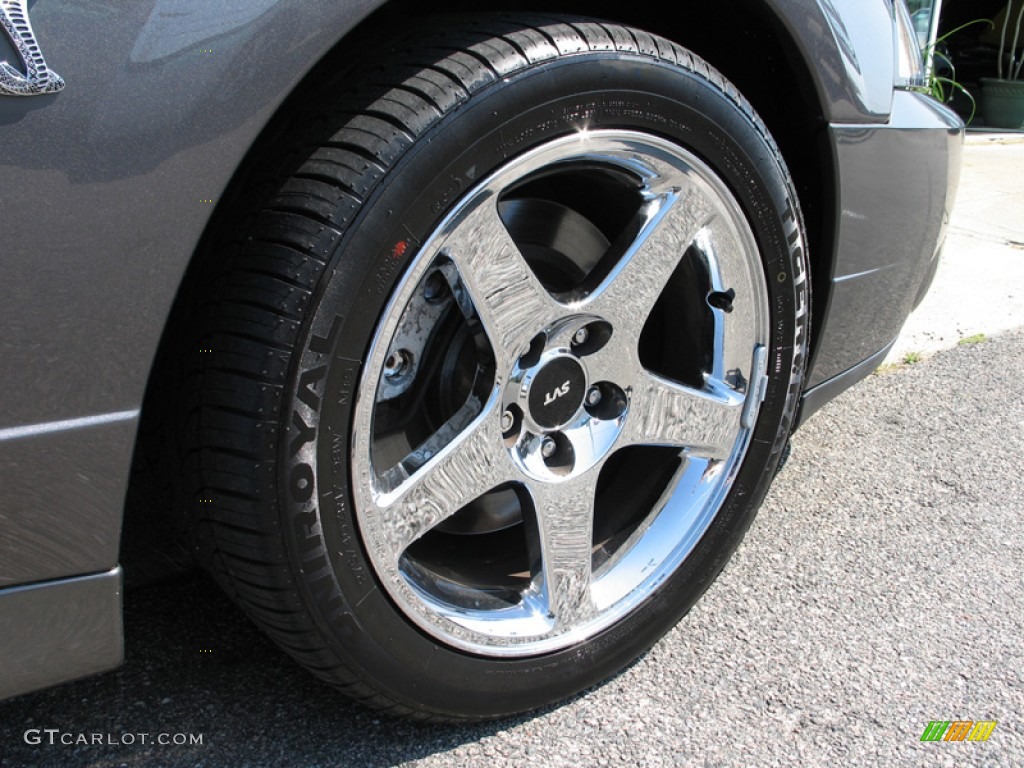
(896, 185)
(103, 186)
(59, 631)
(102, 189)
(849, 48)
(107, 188)
(62, 495)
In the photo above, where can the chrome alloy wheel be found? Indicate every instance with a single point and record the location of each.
(560, 393)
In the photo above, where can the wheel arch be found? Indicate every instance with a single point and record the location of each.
(772, 73)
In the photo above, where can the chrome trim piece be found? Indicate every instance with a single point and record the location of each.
(38, 79)
(910, 67)
(757, 388)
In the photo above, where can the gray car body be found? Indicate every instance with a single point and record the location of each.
(107, 189)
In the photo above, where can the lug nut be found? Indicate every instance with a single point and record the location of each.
(593, 396)
(396, 363)
(548, 446)
(580, 337)
(507, 421)
(434, 288)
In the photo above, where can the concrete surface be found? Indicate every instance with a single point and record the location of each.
(979, 287)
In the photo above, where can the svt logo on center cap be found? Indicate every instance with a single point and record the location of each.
(556, 392)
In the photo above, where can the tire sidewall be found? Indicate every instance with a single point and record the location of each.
(501, 121)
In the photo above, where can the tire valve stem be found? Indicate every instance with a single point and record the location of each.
(722, 300)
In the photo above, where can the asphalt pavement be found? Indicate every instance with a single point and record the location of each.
(880, 588)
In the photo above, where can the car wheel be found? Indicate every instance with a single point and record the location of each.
(501, 365)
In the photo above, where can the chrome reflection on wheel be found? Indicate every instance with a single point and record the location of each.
(560, 393)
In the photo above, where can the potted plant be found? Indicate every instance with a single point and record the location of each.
(941, 83)
(1002, 97)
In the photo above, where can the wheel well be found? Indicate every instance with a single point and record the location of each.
(742, 39)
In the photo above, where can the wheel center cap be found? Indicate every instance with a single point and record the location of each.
(556, 392)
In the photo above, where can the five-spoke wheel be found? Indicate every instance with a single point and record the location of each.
(504, 363)
(530, 392)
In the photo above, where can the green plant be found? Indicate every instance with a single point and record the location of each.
(975, 339)
(940, 87)
(1014, 68)
(911, 357)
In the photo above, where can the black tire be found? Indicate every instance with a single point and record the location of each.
(295, 319)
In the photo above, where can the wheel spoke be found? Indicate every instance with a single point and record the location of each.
(472, 464)
(565, 518)
(723, 259)
(670, 222)
(704, 421)
(618, 361)
(510, 301)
